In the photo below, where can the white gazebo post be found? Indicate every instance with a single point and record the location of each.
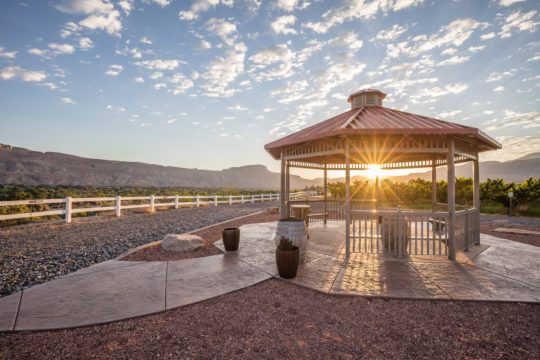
(282, 195)
(288, 189)
(451, 199)
(433, 184)
(377, 192)
(347, 200)
(325, 193)
(476, 196)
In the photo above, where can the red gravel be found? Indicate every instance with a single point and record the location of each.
(526, 239)
(209, 235)
(278, 320)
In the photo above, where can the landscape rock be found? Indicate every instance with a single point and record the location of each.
(182, 242)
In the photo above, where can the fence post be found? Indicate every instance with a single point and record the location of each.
(176, 201)
(242, 199)
(118, 206)
(252, 199)
(68, 209)
(230, 199)
(466, 234)
(152, 203)
(215, 200)
(400, 233)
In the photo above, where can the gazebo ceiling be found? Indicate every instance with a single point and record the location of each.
(380, 126)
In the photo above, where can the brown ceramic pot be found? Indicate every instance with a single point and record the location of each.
(231, 238)
(287, 262)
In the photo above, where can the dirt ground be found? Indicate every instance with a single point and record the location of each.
(278, 320)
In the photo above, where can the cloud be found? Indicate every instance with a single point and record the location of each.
(509, 2)
(512, 147)
(448, 114)
(70, 28)
(85, 43)
(455, 34)
(475, 49)
(487, 36)
(161, 3)
(68, 100)
(159, 64)
(222, 71)
(349, 40)
(126, 6)
(534, 58)
(449, 51)
(13, 72)
(109, 22)
(496, 76)
(499, 88)
(237, 107)
(358, 9)
(7, 54)
(181, 83)
(321, 85)
(274, 62)
(160, 86)
(291, 91)
(101, 15)
(156, 75)
(62, 48)
(437, 92)
(454, 60)
(84, 6)
(146, 40)
(139, 80)
(281, 25)
(114, 70)
(391, 33)
(200, 6)
(511, 118)
(518, 21)
(222, 28)
(171, 121)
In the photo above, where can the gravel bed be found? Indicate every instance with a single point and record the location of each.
(33, 254)
(278, 320)
(487, 228)
(209, 235)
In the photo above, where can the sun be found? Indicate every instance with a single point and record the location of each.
(373, 171)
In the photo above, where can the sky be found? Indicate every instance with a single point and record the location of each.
(207, 83)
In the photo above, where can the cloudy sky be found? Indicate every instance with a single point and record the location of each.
(206, 83)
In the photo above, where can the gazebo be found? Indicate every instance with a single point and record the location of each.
(370, 134)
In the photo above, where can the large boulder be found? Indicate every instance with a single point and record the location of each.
(182, 242)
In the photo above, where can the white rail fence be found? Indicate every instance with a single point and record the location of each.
(67, 206)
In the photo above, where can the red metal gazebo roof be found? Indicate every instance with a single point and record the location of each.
(378, 120)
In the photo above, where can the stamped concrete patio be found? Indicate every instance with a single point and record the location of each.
(497, 270)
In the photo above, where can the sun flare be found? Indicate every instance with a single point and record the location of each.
(373, 171)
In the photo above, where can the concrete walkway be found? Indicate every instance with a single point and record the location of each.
(500, 270)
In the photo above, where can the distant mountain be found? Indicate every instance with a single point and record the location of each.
(514, 170)
(27, 167)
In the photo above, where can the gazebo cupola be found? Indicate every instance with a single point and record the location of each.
(366, 97)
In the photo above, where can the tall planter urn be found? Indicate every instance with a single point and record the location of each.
(287, 258)
(231, 238)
